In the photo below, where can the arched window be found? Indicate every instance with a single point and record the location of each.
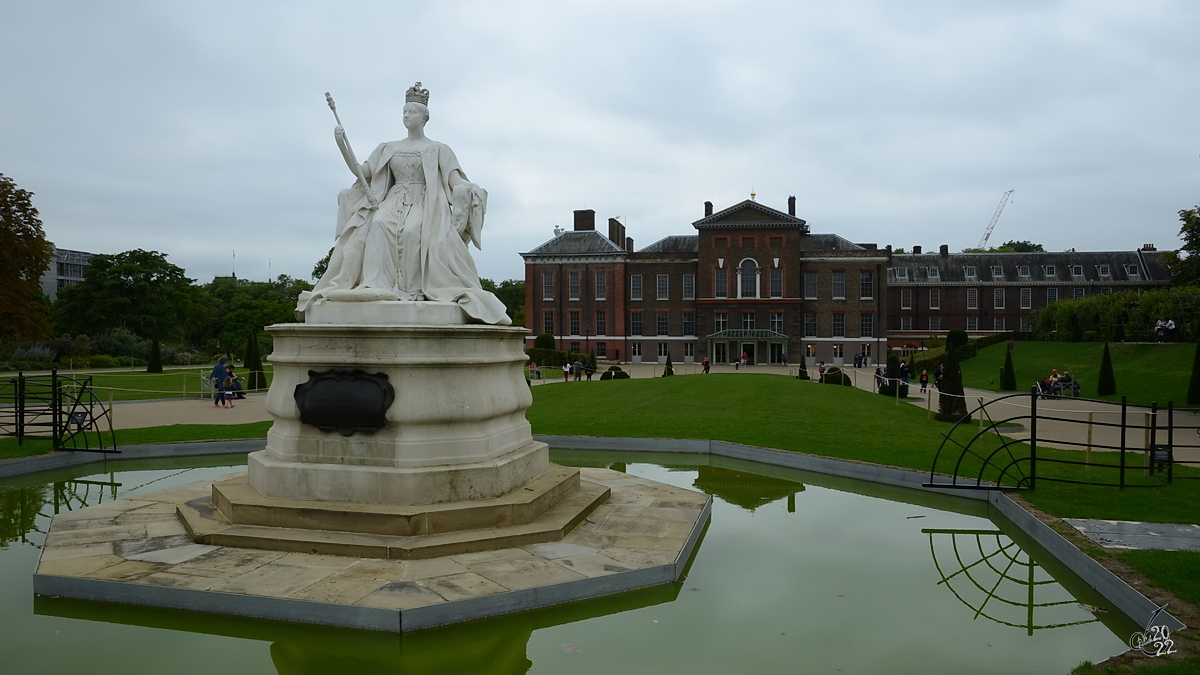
(749, 274)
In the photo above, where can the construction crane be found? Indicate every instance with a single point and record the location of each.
(992, 225)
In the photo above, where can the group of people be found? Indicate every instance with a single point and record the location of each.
(905, 376)
(1058, 385)
(1164, 330)
(579, 368)
(226, 385)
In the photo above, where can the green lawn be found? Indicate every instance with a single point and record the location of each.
(176, 433)
(1144, 372)
(844, 422)
(137, 385)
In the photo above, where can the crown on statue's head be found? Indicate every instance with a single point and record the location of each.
(416, 94)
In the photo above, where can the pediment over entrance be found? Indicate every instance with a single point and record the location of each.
(750, 213)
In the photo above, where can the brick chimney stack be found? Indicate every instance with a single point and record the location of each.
(585, 220)
(616, 232)
(917, 250)
(792, 205)
(944, 251)
(629, 244)
(707, 209)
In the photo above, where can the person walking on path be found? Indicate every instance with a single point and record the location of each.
(924, 380)
(905, 372)
(588, 370)
(218, 381)
(227, 387)
(705, 364)
(566, 371)
(578, 366)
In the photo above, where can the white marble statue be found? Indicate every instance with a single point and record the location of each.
(403, 227)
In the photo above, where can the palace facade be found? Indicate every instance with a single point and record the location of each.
(754, 280)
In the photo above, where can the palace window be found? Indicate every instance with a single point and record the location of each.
(905, 298)
(635, 287)
(573, 319)
(635, 349)
(839, 285)
(1105, 271)
(689, 287)
(1051, 271)
(1023, 270)
(997, 298)
(601, 287)
(602, 350)
(720, 322)
(839, 325)
(810, 325)
(548, 322)
(749, 275)
(972, 323)
(935, 323)
(906, 323)
(547, 285)
(972, 298)
(663, 283)
(997, 272)
(721, 283)
(810, 285)
(635, 323)
(933, 273)
(866, 285)
(1026, 298)
(748, 321)
(601, 322)
(969, 271)
(777, 322)
(998, 323)
(689, 323)
(689, 349)
(1079, 293)
(1025, 324)
(1051, 295)
(575, 347)
(935, 298)
(776, 282)
(573, 285)
(866, 325)
(664, 323)
(662, 350)
(1076, 270)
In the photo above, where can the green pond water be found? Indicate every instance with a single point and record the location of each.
(797, 573)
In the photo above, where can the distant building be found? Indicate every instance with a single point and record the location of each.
(753, 280)
(66, 269)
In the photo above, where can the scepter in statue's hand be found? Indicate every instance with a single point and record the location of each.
(339, 133)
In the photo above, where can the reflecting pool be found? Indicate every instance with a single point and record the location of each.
(797, 572)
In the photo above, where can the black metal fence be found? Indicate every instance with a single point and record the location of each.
(1123, 445)
(62, 409)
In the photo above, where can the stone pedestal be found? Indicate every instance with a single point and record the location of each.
(455, 431)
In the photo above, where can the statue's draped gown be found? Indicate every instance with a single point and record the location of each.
(412, 247)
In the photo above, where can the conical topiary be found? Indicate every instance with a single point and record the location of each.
(154, 358)
(952, 405)
(255, 377)
(1193, 395)
(668, 371)
(1008, 376)
(1107, 384)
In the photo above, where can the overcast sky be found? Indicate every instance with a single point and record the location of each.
(197, 129)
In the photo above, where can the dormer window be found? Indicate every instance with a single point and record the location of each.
(1076, 270)
(1131, 270)
(969, 271)
(901, 272)
(1050, 271)
(933, 273)
(997, 271)
(1105, 271)
(1023, 270)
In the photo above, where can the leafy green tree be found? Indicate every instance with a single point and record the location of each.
(138, 290)
(154, 358)
(1193, 393)
(321, 266)
(25, 255)
(952, 404)
(511, 292)
(256, 379)
(1106, 384)
(1185, 263)
(1008, 376)
(1021, 247)
(233, 308)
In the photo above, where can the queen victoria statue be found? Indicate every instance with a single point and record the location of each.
(403, 227)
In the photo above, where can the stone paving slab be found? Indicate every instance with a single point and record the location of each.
(1124, 534)
(132, 551)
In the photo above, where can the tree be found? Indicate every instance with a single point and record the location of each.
(1008, 376)
(256, 379)
(544, 341)
(137, 289)
(1193, 393)
(321, 266)
(952, 403)
(25, 255)
(1106, 385)
(1021, 247)
(511, 292)
(154, 358)
(1185, 263)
